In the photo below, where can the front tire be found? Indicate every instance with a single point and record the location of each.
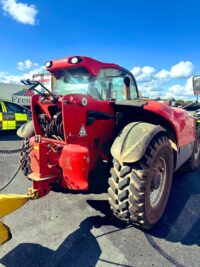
(138, 192)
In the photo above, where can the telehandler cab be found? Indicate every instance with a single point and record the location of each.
(95, 113)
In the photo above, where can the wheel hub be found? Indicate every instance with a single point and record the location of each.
(158, 181)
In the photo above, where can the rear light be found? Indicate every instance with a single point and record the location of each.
(75, 60)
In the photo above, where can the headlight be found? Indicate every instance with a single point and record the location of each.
(75, 60)
(48, 64)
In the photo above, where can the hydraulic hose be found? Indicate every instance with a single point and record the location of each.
(15, 174)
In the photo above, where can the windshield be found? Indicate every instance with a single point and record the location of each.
(108, 84)
(73, 81)
(111, 84)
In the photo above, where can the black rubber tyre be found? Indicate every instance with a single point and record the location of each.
(131, 186)
(25, 158)
(194, 161)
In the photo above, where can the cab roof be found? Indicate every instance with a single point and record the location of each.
(92, 65)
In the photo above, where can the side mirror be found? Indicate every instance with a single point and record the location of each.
(196, 84)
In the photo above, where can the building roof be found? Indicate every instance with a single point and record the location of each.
(24, 92)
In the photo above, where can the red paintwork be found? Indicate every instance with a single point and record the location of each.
(93, 66)
(75, 162)
(78, 155)
(71, 160)
(182, 121)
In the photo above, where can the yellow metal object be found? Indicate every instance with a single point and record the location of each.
(10, 203)
(5, 233)
(33, 193)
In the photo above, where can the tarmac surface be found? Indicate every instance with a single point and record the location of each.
(78, 229)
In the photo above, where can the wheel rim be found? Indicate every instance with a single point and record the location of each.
(158, 182)
(197, 148)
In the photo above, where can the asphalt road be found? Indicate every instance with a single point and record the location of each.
(65, 229)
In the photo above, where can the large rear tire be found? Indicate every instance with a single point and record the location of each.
(138, 192)
(25, 157)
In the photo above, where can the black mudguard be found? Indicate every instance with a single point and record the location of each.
(26, 130)
(131, 144)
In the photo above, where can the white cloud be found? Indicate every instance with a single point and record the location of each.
(166, 83)
(20, 12)
(143, 74)
(5, 77)
(183, 69)
(136, 71)
(159, 88)
(181, 91)
(27, 64)
(163, 74)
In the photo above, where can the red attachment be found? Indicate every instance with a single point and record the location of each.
(74, 161)
(44, 164)
(78, 148)
(70, 161)
(51, 162)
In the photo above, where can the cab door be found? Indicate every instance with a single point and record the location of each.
(3, 117)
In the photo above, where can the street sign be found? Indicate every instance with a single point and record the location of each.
(196, 85)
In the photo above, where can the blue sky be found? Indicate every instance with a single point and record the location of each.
(158, 40)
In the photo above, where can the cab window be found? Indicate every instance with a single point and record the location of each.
(13, 107)
(1, 110)
(110, 84)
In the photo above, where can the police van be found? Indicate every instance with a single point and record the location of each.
(12, 116)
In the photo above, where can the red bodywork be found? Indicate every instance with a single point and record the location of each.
(70, 161)
(182, 121)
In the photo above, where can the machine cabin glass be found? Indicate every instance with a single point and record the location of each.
(73, 81)
(116, 84)
(109, 84)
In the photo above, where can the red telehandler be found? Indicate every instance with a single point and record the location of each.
(95, 113)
